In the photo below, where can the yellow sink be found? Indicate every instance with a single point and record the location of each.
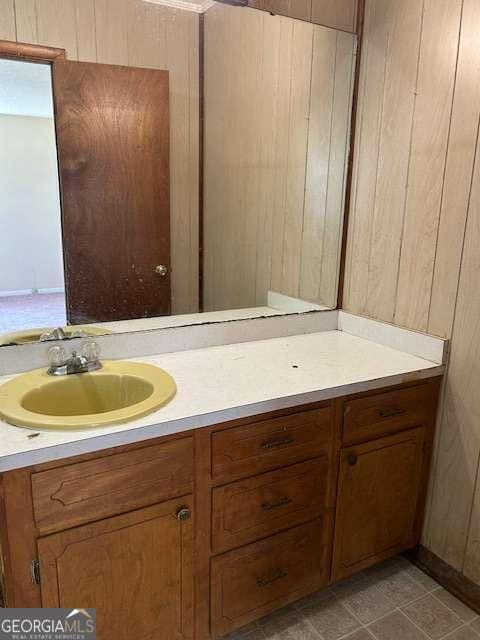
(117, 393)
(33, 335)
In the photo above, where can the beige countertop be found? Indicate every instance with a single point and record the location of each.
(222, 383)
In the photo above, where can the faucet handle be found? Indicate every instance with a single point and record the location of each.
(57, 356)
(91, 351)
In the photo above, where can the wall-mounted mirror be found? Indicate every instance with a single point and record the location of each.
(207, 188)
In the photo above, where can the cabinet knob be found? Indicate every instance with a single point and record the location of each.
(183, 513)
(161, 270)
(352, 459)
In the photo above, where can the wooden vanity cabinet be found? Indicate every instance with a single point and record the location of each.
(378, 490)
(190, 537)
(135, 569)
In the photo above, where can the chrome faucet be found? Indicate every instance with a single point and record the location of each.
(61, 365)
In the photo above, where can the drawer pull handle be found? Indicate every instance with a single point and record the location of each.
(268, 506)
(273, 444)
(352, 459)
(392, 413)
(278, 574)
(183, 513)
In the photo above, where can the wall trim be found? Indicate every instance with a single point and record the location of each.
(184, 5)
(452, 580)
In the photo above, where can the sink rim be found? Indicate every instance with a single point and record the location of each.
(13, 392)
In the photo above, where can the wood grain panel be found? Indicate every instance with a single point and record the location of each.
(86, 40)
(274, 195)
(261, 577)
(431, 125)
(270, 444)
(86, 491)
(128, 203)
(26, 22)
(7, 20)
(367, 145)
(459, 438)
(56, 24)
(337, 14)
(458, 175)
(287, 246)
(379, 484)
(404, 21)
(144, 557)
(438, 230)
(254, 508)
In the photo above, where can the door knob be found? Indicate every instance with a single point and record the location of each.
(161, 270)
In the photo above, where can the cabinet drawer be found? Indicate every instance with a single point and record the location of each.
(248, 510)
(67, 496)
(255, 580)
(265, 445)
(385, 413)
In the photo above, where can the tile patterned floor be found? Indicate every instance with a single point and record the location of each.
(393, 601)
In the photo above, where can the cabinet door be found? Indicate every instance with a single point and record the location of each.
(378, 493)
(135, 569)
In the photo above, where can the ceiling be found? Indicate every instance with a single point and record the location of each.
(25, 89)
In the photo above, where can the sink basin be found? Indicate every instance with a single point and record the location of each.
(119, 392)
(33, 335)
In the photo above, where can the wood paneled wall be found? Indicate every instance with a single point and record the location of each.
(414, 236)
(133, 32)
(277, 107)
(338, 14)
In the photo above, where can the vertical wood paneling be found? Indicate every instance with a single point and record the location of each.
(440, 235)
(458, 175)
(404, 21)
(338, 162)
(336, 14)
(26, 21)
(182, 34)
(441, 25)
(133, 32)
(339, 14)
(112, 34)
(288, 276)
(56, 24)
(459, 438)
(279, 89)
(318, 161)
(7, 20)
(367, 146)
(86, 38)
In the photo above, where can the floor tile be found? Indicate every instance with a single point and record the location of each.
(417, 574)
(313, 599)
(280, 621)
(433, 617)
(250, 632)
(395, 626)
(331, 619)
(453, 603)
(361, 634)
(476, 625)
(365, 599)
(464, 633)
(300, 631)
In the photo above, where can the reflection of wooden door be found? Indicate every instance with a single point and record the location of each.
(377, 500)
(135, 569)
(113, 148)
